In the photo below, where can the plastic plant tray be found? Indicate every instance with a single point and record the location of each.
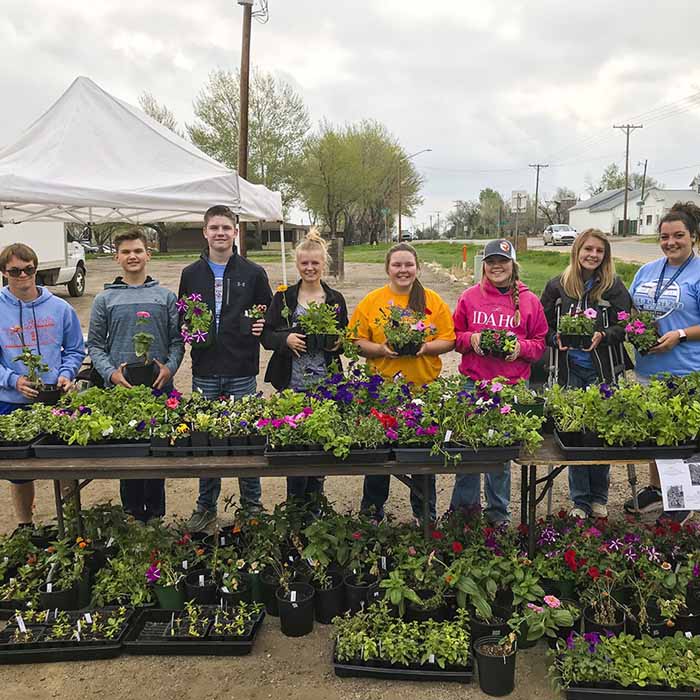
(414, 455)
(300, 458)
(50, 448)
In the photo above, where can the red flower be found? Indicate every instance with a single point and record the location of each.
(570, 559)
(523, 529)
(412, 552)
(674, 526)
(594, 572)
(428, 312)
(608, 573)
(457, 547)
(436, 535)
(562, 514)
(356, 535)
(488, 531)
(385, 419)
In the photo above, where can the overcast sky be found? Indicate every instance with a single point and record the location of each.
(489, 85)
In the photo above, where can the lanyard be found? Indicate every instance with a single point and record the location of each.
(659, 289)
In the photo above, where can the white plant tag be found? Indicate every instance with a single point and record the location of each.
(225, 576)
(88, 618)
(223, 541)
(448, 435)
(291, 558)
(110, 541)
(490, 432)
(384, 563)
(49, 587)
(184, 564)
(99, 533)
(201, 579)
(431, 659)
(20, 624)
(78, 627)
(293, 596)
(294, 605)
(224, 589)
(689, 635)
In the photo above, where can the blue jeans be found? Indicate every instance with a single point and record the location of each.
(467, 489)
(210, 489)
(304, 489)
(375, 493)
(587, 485)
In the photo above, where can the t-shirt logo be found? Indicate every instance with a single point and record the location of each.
(669, 301)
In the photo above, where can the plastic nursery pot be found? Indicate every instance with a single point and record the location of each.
(170, 597)
(497, 354)
(269, 583)
(655, 626)
(247, 325)
(407, 349)
(574, 340)
(692, 597)
(61, 600)
(496, 670)
(84, 589)
(417, 613)
(296, 608)
(329, 341)
(200, 587)
(356, 592)
(590, 625)
(497, 627)
(590, 439)
(534, 409)
(140, 374)
(49, 394)
(314, 342)
(330, 602)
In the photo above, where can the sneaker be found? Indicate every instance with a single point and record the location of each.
(649, 500)
(677, 516)
(599, 510)
(200, 520)
(578, 513)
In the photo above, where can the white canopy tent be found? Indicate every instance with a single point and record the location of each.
(92, 158)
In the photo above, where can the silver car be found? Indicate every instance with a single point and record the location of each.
(559, 234)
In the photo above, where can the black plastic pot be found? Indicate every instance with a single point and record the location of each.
(655, 626)
(496, 673)
(410, 349)
(534, 409)
(200, 439)
(329, 341)
(242, 595)
(497, 628)
(330, 602)
(356, 594)
(296, 609)
(49, 394)
(269, 583)
(590, 439)
(314, 342)
(575, 340)
(200, 587)
(417, 613)
(140, 374)
(496, 354)
(692, 597)
(590, 625)
(61, 600)
(247, 325)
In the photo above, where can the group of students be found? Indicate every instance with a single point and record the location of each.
(230, 284)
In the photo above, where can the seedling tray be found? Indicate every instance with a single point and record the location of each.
(608, 452)
(50, 448)
(485, 455)
(280, 458)
(49, 650)
(146, 638)
(629, 693)
(16, 450)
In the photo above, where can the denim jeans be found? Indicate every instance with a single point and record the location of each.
(210, 489)
(587, 485)
(375, 492)
(143, 498)
(467, 489)
(304, 489)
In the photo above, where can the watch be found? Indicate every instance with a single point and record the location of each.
(683, 335)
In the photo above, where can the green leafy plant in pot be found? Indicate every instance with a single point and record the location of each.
(320, 325)
(48, 393)
(576, 328)
(142, 371)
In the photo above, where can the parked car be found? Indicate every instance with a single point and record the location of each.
(406, 236)
(559, 234)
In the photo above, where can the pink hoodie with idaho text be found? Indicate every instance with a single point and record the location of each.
(483, 306)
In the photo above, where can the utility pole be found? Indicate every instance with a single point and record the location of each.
(627, 128)
(644, 186)
(438, 223)
(538, 166)
(243, 117)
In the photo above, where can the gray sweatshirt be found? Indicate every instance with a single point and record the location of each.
(113, 324)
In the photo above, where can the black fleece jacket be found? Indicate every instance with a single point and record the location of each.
(232, 354)
(610, 358)
(274, 337)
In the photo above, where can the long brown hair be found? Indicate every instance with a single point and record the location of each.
(513, 283)
(572, 277)
(416, 299)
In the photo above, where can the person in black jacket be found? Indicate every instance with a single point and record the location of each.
(229, 362)
(589, 282)
(291, 366)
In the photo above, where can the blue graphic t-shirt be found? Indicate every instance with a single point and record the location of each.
(218, 271)
(678, 306)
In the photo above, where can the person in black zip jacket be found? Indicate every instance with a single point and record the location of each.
(229, 362)
(291, 366)
(589, 282)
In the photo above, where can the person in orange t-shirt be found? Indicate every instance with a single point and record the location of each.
(404, 290)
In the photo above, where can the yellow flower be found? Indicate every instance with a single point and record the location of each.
(666, 566)
(282, 288)
(182, 428)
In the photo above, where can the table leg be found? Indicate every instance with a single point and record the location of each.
(532, 511)
(59, 507)
(549, 491)
(523, 494)
(78, 508)
(632, 478)
(425, 490)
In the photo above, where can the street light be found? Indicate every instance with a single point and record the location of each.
(413, 155)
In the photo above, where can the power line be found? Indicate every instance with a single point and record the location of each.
(538, 166)
(628, 129)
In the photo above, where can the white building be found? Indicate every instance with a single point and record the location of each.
(657, 202)
(605, 211)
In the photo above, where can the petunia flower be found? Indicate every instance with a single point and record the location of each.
(552, 601)
(590, 313)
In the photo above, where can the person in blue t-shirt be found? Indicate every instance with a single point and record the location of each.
(670, 288)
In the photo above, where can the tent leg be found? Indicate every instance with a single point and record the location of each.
(284, 254)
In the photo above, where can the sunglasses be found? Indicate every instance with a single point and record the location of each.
(19, 271)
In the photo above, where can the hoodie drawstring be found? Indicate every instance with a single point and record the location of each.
(36, 328)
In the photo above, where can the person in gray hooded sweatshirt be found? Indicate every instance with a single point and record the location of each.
(113, 323)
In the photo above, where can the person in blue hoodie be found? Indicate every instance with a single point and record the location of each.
(113, 323)
(31, 316)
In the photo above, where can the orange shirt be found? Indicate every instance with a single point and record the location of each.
(367, 316)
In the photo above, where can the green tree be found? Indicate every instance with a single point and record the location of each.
(613, 178)
(162, 114)
(463, 220)
(278, 125)
(492, 212)
(556, 210)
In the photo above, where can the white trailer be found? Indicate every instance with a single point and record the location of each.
(61, 261)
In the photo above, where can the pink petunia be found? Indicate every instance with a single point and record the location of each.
(590, 313)
(172, 402)
(552, 601)
(505, 409)
(496, 387)
(629, 328)
(622, 315)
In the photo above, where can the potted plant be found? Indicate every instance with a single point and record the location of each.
(533, 621)
(197, 321)
(319, 323)
(641, 330)
(142, 372)
(250, 316)
(495, 659)
(405, 329)
(193, 625)
(48, 394)
(576, 329)
(166, 579)
(497, 343)
(296, 608)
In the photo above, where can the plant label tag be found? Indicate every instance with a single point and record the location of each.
(55, 613)
(431, 659)
(354, 572)
(384, 563)
(184, 564)
(311, 561)
(293, 596)
(6, 559)
(110, 542)
(225, 576)
(448, 435)
(99, 533)
(490, 434)
(20, 624)
(78, 626)
(88, 618)
(201, 579)
(291, 558)
(689, 635)
(224, 589)
(49, 587)
(13, 581)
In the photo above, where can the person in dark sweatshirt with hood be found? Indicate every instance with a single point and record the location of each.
(133, 303)
(228, 363)
(32, 317)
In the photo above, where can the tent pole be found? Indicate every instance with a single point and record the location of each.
(284, 256)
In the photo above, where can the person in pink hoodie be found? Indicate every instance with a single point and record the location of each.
(500, 302)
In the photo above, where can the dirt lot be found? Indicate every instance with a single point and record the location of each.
(280, 667)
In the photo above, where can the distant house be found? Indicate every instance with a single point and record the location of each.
(605, 211)
(657, 202)
(189, 237)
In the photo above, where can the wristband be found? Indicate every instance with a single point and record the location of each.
(683, 335)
